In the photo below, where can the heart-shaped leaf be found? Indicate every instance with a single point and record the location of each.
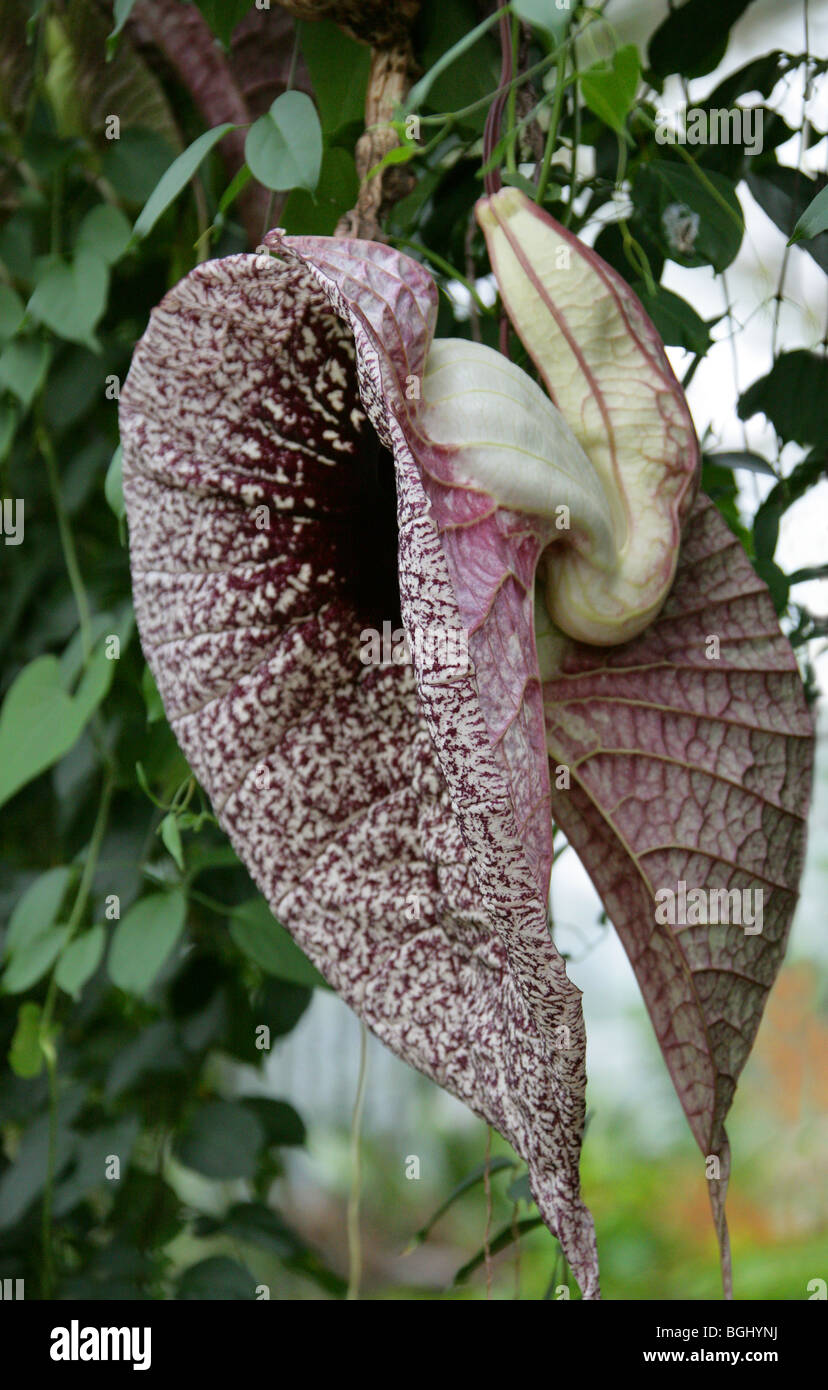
(609, 88)
(690, 754)
(284, 147)
(40, 722)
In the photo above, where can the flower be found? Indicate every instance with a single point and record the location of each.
(302, 463)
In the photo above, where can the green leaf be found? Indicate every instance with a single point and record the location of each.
(8, 427)
(218, 1278)
(152, 699)
(504, 1238)
(105, 232)
(741, 458)
(122, 9)
(39, 722)
(337, 192)
(785, 195)
(472, 1179)
(693, 38)
(144, 938)
(280, 1122)
(177, 177)
(609, 91)
(339, 68)
(720, 486)
(809, 572)
(776, 580)
(11, 312)
(256, 932)
(792, 396)
(223, 1140)
(89, 1167)
(399, 154)
(31, 959)
(70, 298)
(813, 220)
(136, 163)
(80, 960)
(253, 1223)
(804, 476)
(38, 907)
(759, 75)
(693, 214)
(519, 1190)
(284, 147)
(234, 188)
(171, 838)
(25, 1053)
(416, 97)
(551, 19)
(114, 484)
(223, 16)
(518, 180)
(24, 1179)
(23, 367)
(677, 322)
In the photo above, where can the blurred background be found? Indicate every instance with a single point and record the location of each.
(235, 1170)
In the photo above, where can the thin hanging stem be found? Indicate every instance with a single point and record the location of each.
(354, 1241)
(274, 207)
(554, 122)
(48, 1269)
(67, 542)
(46, 1037)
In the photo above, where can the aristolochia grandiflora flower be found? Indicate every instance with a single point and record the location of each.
(302, 463)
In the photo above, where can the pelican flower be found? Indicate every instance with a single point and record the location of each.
(307, 468)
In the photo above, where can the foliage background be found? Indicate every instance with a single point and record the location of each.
(134, 1035)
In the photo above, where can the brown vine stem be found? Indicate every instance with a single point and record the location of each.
(354, 1239)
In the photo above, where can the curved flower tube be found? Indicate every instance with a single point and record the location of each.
(302, 464)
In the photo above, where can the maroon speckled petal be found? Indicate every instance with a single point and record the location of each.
(389, 826)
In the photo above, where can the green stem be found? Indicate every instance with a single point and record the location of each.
(554, 122)
(445, 266)
(84, 888)
(67, 542)
(48, 1271)
(47, 1042)
(484, 102)
(354, 1242)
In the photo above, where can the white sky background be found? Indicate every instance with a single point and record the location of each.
(316, 1065)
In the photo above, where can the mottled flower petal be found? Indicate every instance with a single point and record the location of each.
(369, 802)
